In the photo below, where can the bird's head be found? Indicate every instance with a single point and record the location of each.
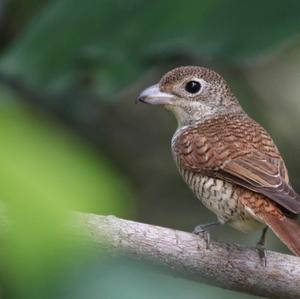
(193, 94)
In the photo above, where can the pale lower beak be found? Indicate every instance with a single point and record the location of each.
(153, 95)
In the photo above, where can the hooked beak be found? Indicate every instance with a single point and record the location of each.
(152, 95)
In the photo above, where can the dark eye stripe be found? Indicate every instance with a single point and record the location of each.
(192, 86)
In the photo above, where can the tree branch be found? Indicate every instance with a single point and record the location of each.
(224, 265)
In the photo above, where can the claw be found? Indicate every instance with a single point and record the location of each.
(202, 229)
(260, 246)
(262, 254)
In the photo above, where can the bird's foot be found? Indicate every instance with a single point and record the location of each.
(261, 248)
(262, 253)
(203, 229)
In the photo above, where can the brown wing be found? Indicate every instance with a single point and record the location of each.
(240, 151)
(262, 175)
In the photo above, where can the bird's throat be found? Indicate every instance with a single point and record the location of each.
(191, 114)
(197, 112)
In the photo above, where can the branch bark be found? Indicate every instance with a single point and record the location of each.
(224, 265)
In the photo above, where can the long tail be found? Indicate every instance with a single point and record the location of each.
(287, 230)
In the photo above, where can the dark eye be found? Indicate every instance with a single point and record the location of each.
(192, 86)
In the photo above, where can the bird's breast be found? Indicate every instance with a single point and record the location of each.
(217, 195)
(223, 199)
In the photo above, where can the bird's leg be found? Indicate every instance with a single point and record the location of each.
(203, 229)
(261, 247)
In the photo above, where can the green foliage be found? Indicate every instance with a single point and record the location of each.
(45, 173)
(111, 42)
(39, 157)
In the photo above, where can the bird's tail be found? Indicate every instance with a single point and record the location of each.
(287, 230)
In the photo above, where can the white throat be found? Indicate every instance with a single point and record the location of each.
(195, 112)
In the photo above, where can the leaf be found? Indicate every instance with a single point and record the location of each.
(45, 173)
(111, 42)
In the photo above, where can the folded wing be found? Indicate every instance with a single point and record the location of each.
(240, 151)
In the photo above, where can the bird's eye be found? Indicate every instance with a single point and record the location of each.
(192, 86)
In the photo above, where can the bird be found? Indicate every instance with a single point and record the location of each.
(228, 160)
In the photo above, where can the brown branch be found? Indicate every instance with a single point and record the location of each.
(224, 265)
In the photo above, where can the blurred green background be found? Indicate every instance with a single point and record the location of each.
(72, 138)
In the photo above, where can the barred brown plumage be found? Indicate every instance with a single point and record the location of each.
(240, 152)
(229, 161)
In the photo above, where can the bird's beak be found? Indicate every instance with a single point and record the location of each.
(153, 95)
